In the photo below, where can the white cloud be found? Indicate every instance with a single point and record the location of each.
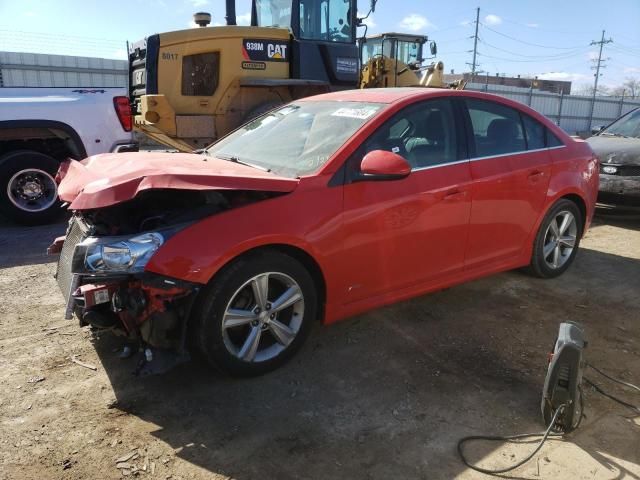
(120, 54)
(244, 19)
(369, 22)
(415, 22)
(533, 25)
(567, 76)
(466, 23)
(632, 70)
(199, 3)
(492, 19)
(592, 55)
(29, 14)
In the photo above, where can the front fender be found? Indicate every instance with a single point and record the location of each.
(305, 219)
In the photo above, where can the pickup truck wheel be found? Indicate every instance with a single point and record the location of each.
(28, 190)
(255, 314)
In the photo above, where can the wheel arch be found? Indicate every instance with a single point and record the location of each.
(580, 203)
(304, 257)
(21, 127)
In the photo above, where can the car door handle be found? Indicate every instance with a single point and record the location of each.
(535, 175)
(454, 195)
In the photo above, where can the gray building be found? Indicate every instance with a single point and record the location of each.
(18, 69)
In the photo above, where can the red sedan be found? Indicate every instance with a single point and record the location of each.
(319, 210)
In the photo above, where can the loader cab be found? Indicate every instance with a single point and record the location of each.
(405, 48)
(324, 37)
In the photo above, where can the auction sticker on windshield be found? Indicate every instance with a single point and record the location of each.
(360, 113)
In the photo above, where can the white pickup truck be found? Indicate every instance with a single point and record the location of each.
(40, 127)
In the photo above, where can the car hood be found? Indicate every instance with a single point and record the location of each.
(107, 179)
(616, 150)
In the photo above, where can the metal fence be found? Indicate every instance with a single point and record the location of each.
(572, 113)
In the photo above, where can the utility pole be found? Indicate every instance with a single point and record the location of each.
(597, 68)
(475, 47)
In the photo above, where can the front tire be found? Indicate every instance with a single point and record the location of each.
(28, 190)
(557, 240)
(256, 314)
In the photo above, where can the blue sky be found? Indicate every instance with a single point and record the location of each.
(547, 38)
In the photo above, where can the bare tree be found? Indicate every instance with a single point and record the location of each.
(583, 89)
(632, 87)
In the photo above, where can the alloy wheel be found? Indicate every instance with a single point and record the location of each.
(560, 239)
(263, 317)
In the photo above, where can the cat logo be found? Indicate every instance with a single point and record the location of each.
(278, 52)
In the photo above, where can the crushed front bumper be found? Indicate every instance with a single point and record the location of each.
(147, 307)
(619, 189)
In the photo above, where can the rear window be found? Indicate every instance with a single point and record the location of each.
(553, 140)
(200, 74)
(534, 131)
(497, 129)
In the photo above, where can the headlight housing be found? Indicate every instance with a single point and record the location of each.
(105, 255)
(129, 256)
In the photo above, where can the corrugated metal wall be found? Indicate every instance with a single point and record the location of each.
(44, 70)
(571, 112)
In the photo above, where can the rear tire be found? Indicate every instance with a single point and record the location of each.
(557, 241)
(28, 191)
(243, 303)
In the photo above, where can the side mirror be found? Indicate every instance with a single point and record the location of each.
(597, 130)
(434, 48)
(383, 165)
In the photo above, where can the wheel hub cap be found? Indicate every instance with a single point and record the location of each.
(32, 190)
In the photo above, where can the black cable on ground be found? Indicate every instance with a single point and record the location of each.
(613, 379)
(608, 395)
(546, 434)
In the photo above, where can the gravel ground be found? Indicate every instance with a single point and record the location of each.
(383, 395)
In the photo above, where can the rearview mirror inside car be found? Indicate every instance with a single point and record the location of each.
(383, 165)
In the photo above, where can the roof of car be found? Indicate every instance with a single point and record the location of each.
(375, 95)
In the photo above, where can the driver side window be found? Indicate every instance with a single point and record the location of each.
(424, 134)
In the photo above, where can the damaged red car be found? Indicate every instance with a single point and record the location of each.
(318, 210)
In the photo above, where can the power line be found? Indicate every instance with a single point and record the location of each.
(555, 59)
(539, 57)
(530, 43)
(538, 28)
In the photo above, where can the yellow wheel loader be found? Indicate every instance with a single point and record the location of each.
(396, 60)
(190, 87)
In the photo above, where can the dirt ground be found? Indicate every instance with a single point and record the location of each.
(383, 395)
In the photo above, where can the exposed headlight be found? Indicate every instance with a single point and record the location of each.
(609, 169)
(122, 256)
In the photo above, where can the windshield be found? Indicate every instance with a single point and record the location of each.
(296, 139)
(404, 51)
(273, 13)
(627, 126)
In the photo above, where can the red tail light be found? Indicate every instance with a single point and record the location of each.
(123, 110)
